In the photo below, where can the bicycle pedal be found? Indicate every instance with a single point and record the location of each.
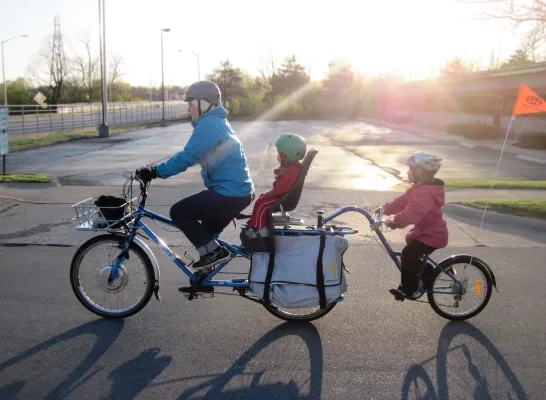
(198, 289)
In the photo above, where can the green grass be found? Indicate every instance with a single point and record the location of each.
(17, 143)
(477, 184)
(24, 178)
(53, 138)
(524, 208)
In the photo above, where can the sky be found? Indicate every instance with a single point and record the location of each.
(411, 38)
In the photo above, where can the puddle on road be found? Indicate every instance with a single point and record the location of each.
(334, 168)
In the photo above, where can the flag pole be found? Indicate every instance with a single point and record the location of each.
(512, 119)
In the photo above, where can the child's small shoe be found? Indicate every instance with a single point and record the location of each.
(398, 294)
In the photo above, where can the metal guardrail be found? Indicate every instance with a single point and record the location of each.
(64, 118)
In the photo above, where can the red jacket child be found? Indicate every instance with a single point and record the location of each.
(421, 206)
(291, 148)
(285, 177)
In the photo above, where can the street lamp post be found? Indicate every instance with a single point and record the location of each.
(104, 129)
(163, 121)
(3, 69)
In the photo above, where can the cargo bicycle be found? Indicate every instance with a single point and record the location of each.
(125, 232)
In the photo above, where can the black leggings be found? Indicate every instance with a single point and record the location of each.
(411, 264)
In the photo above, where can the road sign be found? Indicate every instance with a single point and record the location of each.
(39, 98)
(4, 139)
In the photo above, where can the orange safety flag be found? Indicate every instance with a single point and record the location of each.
(528, 102)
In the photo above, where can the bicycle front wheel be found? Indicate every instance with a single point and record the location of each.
(127, 294)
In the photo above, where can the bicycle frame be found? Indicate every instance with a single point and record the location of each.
(395, 255)
(239, 251)
(236, 251)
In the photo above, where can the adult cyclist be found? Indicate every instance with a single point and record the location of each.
(224, 169)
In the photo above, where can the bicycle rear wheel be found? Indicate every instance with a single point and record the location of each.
(111, 299)
(476, 281)
(309, 314)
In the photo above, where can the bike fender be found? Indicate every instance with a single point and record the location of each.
(491, 274)
(462, 257)
(151, 255)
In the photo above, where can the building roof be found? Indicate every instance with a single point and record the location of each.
(505, 80)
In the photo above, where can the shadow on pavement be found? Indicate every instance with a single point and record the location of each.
(106, 333)
(10, 390)
(223, 386)
(132, 377)
(470, 362)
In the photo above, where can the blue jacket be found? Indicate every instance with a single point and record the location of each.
(215, 147)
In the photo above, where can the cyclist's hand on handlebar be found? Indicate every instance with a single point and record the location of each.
(146, 174)
(390, 223)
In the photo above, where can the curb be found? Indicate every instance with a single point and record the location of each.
(531, 159)
(468, 145)
(491, 217)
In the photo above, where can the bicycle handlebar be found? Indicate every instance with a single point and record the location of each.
(378, 221)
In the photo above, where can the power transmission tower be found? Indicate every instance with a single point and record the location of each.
(58, 69)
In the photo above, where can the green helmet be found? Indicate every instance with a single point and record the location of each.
(292, 145)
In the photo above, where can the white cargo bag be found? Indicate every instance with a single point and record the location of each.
(294, 279)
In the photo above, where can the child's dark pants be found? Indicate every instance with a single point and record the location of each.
(411, 264)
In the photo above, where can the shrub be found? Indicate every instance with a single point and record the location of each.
(473, 131)
(532, 140)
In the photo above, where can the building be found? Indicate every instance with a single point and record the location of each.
(485, 96)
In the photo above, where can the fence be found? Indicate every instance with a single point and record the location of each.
(35, 119)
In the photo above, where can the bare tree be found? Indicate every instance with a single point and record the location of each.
(86, 68)
(474, 64)
(267, 66)
(115, 67)
(527, 14)
(532, 42)
(460, 66)
(115, 70)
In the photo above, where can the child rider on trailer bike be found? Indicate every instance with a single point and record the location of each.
(420, 206)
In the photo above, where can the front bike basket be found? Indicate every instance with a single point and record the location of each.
(104, 213)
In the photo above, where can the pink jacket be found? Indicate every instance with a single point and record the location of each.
(421, 206)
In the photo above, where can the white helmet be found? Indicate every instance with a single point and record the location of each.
(424, 160)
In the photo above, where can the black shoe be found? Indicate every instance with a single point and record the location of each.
(398, 294)
(209, 260)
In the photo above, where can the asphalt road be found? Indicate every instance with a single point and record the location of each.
(368, 347)
(389, 148)
(348, 156)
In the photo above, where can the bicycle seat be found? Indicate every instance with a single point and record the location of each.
(286, 219)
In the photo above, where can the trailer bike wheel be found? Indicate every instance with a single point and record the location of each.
(476, 282)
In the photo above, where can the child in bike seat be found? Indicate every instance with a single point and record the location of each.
(290, 149)
(420, 206)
